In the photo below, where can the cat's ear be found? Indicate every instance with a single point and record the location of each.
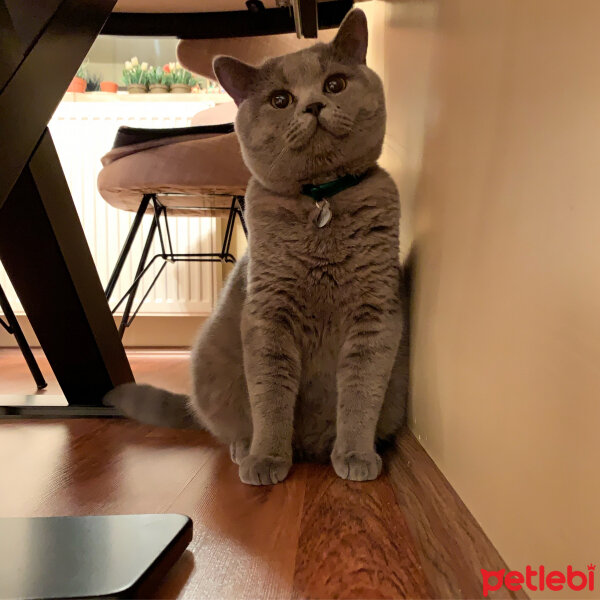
(350, 42)
(235, 77)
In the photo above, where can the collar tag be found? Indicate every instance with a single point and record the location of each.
(324, 215)
(320, 193)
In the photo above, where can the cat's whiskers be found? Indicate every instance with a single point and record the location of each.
(274, 163)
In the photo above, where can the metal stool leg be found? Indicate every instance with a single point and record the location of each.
(15, 329)
(112, 282)
(140, 268)
(236, 209)
(240, 211)
(225, 255)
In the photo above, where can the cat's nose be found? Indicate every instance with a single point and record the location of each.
(314, 108)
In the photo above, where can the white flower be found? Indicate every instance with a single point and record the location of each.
(172, 66)
(134, 61)
(128, 65)
(144, 66)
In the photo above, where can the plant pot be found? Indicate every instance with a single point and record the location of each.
(136, 88)
(180, 88)
(78, 84)
(158, 88)
(109, 86)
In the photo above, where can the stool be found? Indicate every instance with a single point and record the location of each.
(187, 171)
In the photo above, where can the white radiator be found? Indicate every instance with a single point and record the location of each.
(83, 129)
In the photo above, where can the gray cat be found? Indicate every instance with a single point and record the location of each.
(303, 356)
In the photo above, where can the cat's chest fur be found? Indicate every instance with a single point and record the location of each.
(320, 270)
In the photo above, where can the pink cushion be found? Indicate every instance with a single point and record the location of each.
(203, 168)
(221, 113)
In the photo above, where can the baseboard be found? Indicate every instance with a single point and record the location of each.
(146, 331)
(452, 546)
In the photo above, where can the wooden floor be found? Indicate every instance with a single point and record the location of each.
(406, 535)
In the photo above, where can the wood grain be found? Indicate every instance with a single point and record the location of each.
(354, 542)
(94, 466)
(166, 368)
(246, 537)
(405, 535)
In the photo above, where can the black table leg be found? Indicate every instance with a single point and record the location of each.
(45, 253)
(42, 245)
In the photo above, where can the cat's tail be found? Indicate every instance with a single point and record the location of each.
(153, 406)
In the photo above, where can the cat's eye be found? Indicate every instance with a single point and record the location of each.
(281, 99)
(335, 84)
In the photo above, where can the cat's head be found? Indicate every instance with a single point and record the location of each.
(309, 116)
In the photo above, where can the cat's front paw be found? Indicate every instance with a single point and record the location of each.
(264, 470)
(239, 449)
(356, 466)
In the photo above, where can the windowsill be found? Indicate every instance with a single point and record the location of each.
(216, 97)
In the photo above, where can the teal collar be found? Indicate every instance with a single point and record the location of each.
(331, 188)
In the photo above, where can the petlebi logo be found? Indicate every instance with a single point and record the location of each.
(539, 580)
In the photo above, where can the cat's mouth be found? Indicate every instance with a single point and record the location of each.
(317, 131)
(334, 129)
(323, 127)
(312, 129)
(336, 122)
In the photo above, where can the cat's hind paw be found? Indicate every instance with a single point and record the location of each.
(356, 466)
(239, 450)
(264, 470)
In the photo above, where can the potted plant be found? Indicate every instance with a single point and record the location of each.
(183, 80)
(202, 84)
(109, 86)
(92, 83)
(79, 82)
(135, 76)
(159, 80)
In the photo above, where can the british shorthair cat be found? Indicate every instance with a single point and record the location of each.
(306, 356)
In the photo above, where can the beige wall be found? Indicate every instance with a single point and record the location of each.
(494, 136)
